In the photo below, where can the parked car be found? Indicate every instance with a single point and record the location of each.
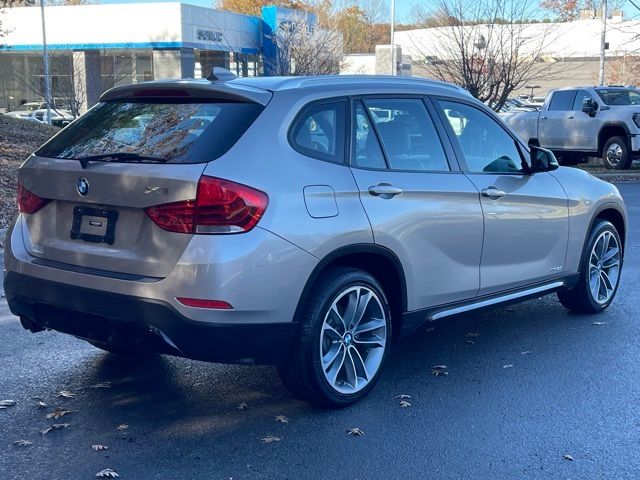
(585, 121)
(59, 118)
(311, 222)
(24, 110)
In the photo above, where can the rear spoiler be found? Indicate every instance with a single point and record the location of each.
(188, 89)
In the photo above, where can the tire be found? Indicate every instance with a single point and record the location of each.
(616, 154)
(581, 298)
(323, 336)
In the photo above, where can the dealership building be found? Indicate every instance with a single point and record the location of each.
(95, 47)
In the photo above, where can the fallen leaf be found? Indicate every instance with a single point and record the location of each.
(507, 366)
(66, 394)
(471, 335)
(55, 426)
(403, 396)
(41, 404)
(526, 352)
(404, 404)
(356, 432)
(23, 443)
(471, 342)
(439, 370)
(270, 439)
(122, 426)
(282, 419)
(107, 473)
(97, 448)
(101, 385)
(567, 457)
(243, 406)
(7, 403)
(599, 324)
(59, 412)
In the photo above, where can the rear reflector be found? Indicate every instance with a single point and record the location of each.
(29, 202)
(220, 207)
(200, 303)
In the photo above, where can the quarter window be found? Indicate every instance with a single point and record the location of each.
(562, 100)
(319, 132)
(408, 134)
(486, 146)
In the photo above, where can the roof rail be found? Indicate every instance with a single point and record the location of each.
(219, 74)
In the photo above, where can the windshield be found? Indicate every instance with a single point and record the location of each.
(27, 107)
(174, 132)
(619, 96)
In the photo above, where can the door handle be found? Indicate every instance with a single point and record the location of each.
(543, 118)
(570, 117)
(384, 190)
(492, 193)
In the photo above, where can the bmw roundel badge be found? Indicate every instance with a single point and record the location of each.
(82, 186)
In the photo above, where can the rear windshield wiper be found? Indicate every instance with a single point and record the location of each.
(119, 157)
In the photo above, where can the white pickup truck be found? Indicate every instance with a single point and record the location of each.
(585, 121)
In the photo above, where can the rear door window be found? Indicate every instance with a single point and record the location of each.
(408, 135)
(562, 100)
(366, 151)
(319, 131)
(175, 132)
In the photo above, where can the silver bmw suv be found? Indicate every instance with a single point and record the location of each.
(301, 222)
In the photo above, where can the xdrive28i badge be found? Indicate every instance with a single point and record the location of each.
(82, 186)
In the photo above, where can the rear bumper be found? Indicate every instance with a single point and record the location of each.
(143, 323)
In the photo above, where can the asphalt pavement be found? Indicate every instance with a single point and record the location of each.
(534, 392)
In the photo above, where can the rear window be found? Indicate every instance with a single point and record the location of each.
(176, 132)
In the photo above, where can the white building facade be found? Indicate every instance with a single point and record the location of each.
(95, 47)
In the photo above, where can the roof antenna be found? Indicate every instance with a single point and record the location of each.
(221, 74)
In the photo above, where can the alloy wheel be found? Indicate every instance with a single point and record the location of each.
(353, 339)
(604, 267)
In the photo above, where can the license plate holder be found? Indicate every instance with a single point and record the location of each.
(94, 225)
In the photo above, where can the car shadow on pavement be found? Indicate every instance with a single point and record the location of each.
(181, 398)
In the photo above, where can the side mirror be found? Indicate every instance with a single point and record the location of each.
(542, 160)
(589, 106)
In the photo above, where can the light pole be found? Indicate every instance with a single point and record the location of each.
(603, 41)
(45, 59)
(393, 28)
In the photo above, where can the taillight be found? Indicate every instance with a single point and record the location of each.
(220, 206)
(29, 202)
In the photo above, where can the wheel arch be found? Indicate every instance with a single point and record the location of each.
(610, 212)
(609, 130)
(378, 261)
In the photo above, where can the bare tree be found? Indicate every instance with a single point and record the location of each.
(487, 47)
(302, 49)
(72, 73)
